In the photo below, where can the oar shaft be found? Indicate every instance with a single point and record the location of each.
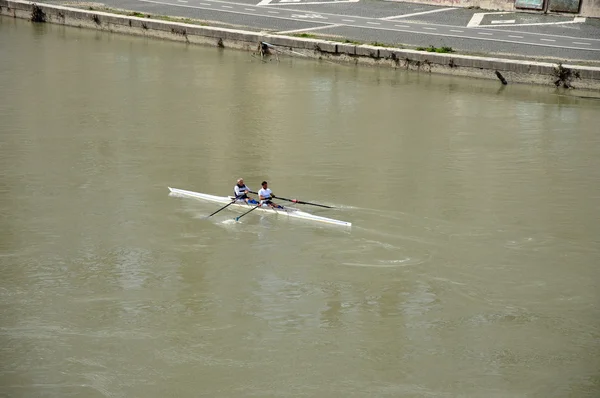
(255, 207)
(298, 201)
(303, 203)
(229, 204)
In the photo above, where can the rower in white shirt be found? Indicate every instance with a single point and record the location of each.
(265, 195)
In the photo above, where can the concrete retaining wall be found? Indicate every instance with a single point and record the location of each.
(590, 8)
(514, 71)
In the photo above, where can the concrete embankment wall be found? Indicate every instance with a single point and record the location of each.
(590, 8)
(514, 71)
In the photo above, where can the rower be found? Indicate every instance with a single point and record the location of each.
(241, 192)
(265, 195)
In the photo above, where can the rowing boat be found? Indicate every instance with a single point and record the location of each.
(286, 211)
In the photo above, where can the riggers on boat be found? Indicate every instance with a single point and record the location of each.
(286, 211)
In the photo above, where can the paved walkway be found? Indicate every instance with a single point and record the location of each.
(544, 37)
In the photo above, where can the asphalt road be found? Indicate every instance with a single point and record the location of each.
(562, 38)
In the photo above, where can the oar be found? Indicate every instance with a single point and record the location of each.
(238, 218)
(229, 204)
(299, 201)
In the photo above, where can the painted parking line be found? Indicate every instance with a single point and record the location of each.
(308, 16)
(515, 37)
(547, 40)
(417, 13)
(250, 9)
(348, 20)
(300, 2)
(456, 30)
(308, 29)
(477, 18)
(226, 6)
(484, 33)
(425, 27)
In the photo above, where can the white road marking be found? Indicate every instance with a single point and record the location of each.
(425, 27)
(484, 33)
(249, 9)
(585, 44)
(308, 29)
(547, 39)
(294, 2)
(182, 1)
(205, 4)
(373, 23)
(273, 12)
(348, 20)
(310, 16)
(226, 6)
(478, 17)
(456, 30)
(539, 24)
(418, 13)
(401, 26)
(516, 37)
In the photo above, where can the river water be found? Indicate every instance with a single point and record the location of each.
(471, 268)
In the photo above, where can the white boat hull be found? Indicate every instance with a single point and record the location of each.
(286, 211)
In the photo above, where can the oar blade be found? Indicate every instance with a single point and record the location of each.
(255, 207)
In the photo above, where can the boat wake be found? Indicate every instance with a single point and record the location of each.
(387, 263)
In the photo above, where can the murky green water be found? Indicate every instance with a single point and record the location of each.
(471, 268)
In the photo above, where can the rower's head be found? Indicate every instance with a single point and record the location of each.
(264, 184)
(240, 181)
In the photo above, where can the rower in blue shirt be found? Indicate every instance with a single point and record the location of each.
(241, 192)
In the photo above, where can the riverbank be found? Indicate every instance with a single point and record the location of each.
(178, 29)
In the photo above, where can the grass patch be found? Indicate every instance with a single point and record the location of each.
(182, 20)
(305, 35)
(432, 49)
(378, 44)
